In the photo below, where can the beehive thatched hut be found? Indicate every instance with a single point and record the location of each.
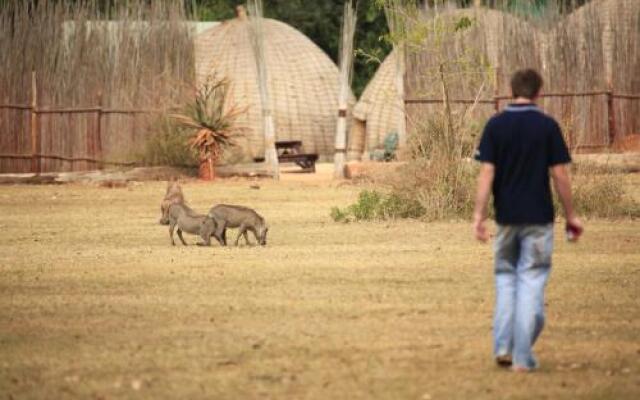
(303, 83)
(376, 113)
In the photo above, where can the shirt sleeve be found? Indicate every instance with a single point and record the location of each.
(486, 149)
(558, 151)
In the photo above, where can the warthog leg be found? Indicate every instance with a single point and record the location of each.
(172, 225)
(243, 232)
(246, 238)
(180, 236)
(219, 239)
(221, 233)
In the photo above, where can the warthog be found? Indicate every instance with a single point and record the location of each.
(173, 196)
(186, 220)
(228, 216)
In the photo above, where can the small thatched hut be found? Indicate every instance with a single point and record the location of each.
(303, 83)
(376, 113)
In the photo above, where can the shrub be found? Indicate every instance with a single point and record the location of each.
(373, 205)
(167, 145)
(339, 215)
(440, 189)
(444, 189)
(598, 191)
(439, 174)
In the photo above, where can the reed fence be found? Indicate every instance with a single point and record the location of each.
(102, 70)
(611, 102)
(35, 146)
(589, 60)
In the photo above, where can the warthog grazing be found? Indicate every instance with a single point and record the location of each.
(186, 220)
(228, 216)
(173, 196)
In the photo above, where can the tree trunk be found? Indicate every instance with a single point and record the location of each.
(206, 171)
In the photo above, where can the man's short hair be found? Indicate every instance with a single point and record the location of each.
(526, 83)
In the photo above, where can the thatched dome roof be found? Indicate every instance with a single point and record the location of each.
(303, 82)
(378, 105)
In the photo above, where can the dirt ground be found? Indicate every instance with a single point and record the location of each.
(96, 304)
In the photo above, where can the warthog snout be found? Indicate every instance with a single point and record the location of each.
(263, 237)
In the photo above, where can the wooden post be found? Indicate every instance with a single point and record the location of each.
(257, 43)
(340, 154)
(35, 140)
(611, 116)
(98, 135)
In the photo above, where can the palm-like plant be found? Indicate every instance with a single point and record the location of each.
(212, 121)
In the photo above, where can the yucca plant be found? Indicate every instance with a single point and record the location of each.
(212, 121)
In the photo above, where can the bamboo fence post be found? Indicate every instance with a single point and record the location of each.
(35, 140)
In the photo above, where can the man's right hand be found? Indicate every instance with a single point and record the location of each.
(480, 229)
(485, 179)
(575, 226)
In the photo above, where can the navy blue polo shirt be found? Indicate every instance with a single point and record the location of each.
(522, 143)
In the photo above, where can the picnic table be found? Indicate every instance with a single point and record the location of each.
(289, 147)
(290, 151)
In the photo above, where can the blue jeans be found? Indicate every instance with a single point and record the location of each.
(522, 266)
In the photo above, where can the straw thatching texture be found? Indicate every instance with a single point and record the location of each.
(142, 58)
(376, 113)
(303, 83)
(584, 51)
(625, 42)
(575, 50)
(376, 110)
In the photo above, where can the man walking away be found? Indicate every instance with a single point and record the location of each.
(520, 147)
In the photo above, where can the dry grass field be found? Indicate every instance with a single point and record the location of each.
(96, 304)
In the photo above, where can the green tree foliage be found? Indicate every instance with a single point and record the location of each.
(369, 43)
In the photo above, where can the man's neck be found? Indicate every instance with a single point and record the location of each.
(523, 100)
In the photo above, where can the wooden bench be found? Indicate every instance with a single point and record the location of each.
(305, 161)
(290, 151)
(289, 147)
